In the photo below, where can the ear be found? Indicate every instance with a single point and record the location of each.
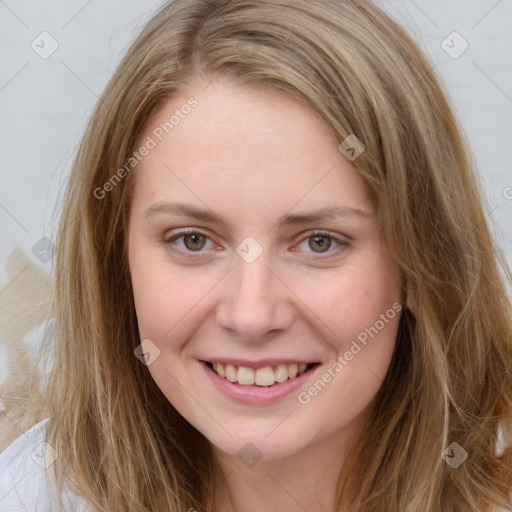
(411, 301)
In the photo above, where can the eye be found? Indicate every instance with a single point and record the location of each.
(320, 242)
(192, 240)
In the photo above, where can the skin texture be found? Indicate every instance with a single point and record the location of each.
(253, 155)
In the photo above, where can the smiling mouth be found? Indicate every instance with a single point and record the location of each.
(265, 376)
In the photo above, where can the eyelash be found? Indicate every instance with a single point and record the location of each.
(169, 241)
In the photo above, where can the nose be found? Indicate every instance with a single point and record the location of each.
(255, 302)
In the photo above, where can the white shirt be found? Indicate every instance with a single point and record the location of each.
(23, 482)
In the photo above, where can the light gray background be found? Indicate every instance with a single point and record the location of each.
(44, 103)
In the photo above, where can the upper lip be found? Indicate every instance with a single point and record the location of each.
(261, 363)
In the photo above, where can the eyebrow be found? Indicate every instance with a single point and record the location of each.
(288, 219)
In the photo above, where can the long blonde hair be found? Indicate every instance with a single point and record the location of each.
(120, 442)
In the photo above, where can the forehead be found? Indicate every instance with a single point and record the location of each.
(244, 144)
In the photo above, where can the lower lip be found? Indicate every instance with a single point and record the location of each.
(258, 394)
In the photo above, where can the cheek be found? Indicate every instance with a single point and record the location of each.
(161, 303)
(344, 304)
(167, 304)
(359, 324)
(359, 312)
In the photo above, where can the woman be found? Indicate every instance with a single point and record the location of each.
(275, 284)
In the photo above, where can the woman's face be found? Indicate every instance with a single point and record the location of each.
(268, 303)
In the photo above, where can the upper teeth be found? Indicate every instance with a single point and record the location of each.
(265, 376)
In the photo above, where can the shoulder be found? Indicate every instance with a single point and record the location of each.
(23, 481)
(23, 485)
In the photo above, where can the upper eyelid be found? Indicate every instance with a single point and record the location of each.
(340, 239)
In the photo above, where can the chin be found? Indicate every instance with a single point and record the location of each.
(260, 446)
